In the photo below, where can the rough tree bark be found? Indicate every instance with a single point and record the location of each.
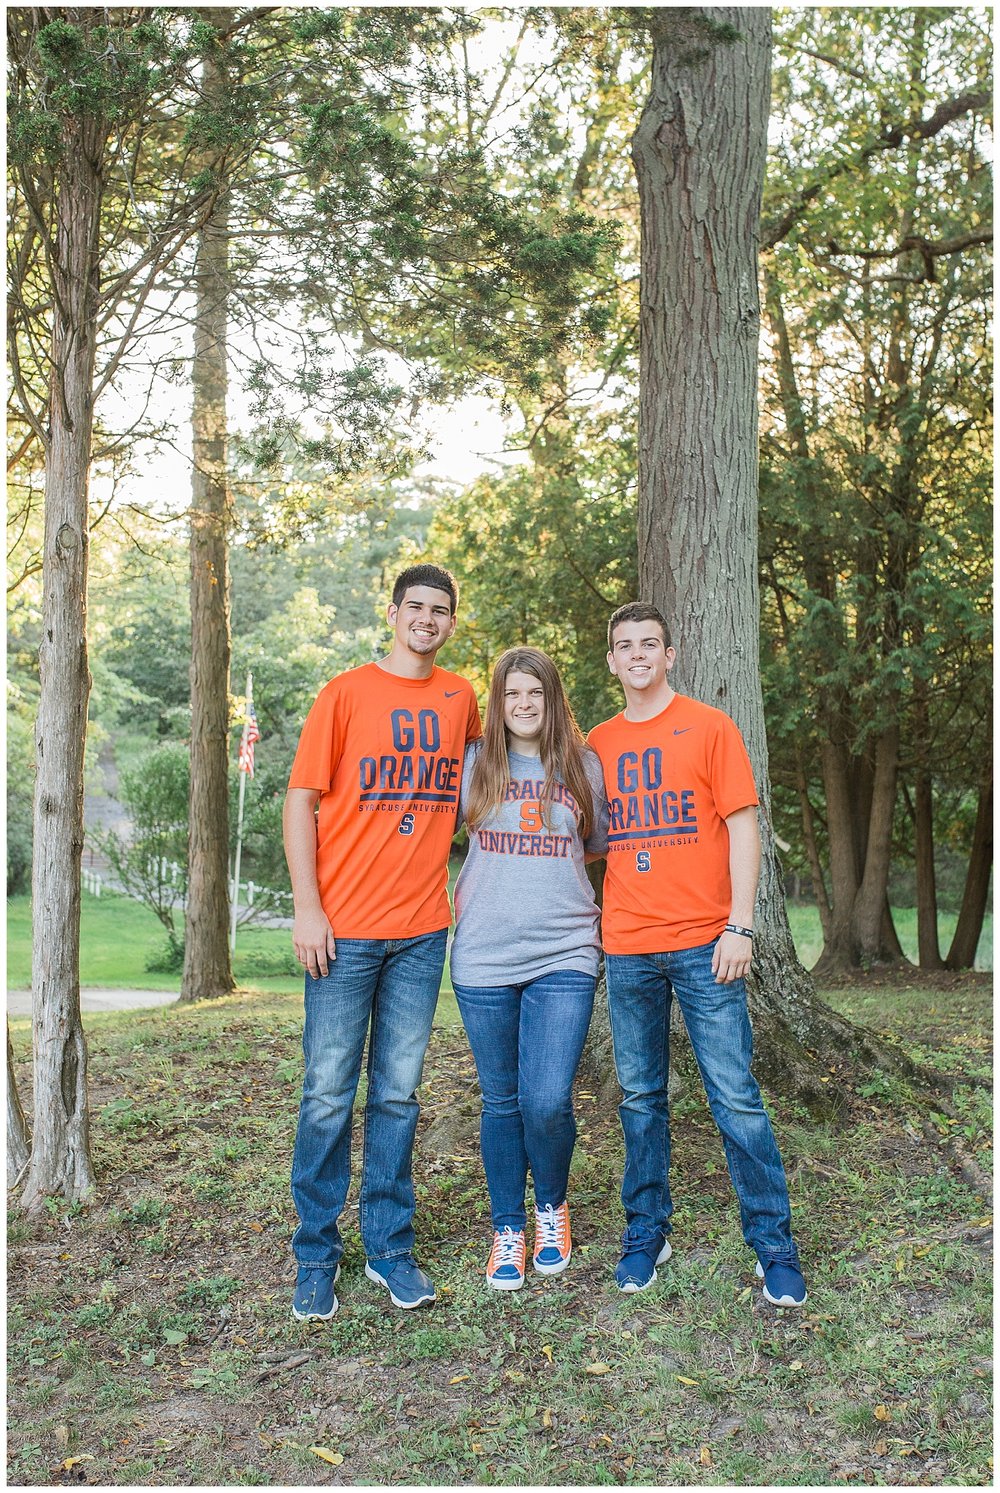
(699, 154)
(207, 967)
(18, 1143)
(60, 1156)
(962, 954)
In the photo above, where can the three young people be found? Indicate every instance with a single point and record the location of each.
(389, 764)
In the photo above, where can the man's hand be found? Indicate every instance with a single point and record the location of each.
(731, 960)
(313, 942)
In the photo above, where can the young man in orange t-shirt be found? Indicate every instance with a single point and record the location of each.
(683, 865)
(381, 756)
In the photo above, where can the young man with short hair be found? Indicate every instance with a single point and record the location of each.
(682, 870)
(381, 755)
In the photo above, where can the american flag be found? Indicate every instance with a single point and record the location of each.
(251, 733)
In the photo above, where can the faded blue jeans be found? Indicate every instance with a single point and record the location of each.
(640, 990)
(389, 986)
(527, 1040)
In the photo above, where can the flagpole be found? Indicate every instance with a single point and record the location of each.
(239, 821)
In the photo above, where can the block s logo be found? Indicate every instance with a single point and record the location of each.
(406, 825)
(642, 860)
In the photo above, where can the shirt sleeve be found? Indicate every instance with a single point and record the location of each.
(732, 778)
(321, 743)
(597, 841)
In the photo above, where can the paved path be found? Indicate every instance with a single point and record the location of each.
(19, 1001)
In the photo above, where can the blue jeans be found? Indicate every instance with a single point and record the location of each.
(391, 986)
(527, 1040)
(640, 990)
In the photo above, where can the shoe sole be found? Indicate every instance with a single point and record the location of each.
(406, 1306)
(505, 1285)
(320, 1316)
(631, 1286)
(778, 1300)
(556, 1269)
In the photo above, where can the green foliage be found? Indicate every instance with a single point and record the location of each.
(151, 864)
(20, 780)
(875, 523)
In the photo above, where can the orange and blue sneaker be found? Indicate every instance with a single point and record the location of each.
(505, 1267)
(553, 1243)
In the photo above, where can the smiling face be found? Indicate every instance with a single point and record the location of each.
(523, 710)
(640, 659)
(422, 621)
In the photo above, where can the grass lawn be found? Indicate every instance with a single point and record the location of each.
(118, 937)
(150, 1332)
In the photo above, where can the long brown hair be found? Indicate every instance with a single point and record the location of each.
(562, 745)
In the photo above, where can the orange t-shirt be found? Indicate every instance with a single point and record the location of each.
(671, 784)
(386, 755)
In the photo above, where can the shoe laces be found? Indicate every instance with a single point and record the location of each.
(508, 1248)
(551, 1226)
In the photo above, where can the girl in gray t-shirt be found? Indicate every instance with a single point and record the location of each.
(526, 947)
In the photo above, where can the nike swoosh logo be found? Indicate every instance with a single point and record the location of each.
(450, 694)
(682, 732)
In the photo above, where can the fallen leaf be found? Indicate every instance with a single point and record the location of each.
(334, 1458)
(62, 1438)
(258, 1228)
(459, 1378)
(681, 1379)
(744, 1294)
(72, 1461)
(795, 1365)
(598, 1368)
(705, 1456)
(547, 1352)
(547, 1420)
(881, 1447)
(477, 1446)
(514, 1375)
(882, 1413)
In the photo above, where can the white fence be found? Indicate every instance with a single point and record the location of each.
(170, 871)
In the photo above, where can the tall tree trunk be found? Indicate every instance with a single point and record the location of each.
(207, 968)
(60, 1156)
(962, 954)
(869, 904)
(928, 945)
(18, 1144)
(838, 948)
(699, 153)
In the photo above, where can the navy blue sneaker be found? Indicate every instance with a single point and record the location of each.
(637, 1267)
(784, 1283)
(403, 1278)
(315, 1299)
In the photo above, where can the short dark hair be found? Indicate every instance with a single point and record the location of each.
(426, 575)
(637, 611)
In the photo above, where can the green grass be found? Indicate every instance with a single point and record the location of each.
(808, 935)
(161, 1346)
(118, 937)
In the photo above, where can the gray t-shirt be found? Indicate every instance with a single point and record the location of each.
(523, 904)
